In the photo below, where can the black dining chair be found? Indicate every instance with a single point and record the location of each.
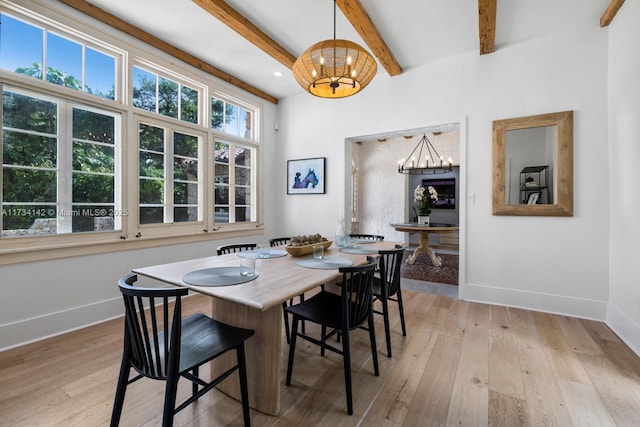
(375, 237)
(238, 247)
(161, 345)
(278, 241)
(341, 314)
(386, 286)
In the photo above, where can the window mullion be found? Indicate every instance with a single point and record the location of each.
(232, 183)
(65, 168)
(168, 176)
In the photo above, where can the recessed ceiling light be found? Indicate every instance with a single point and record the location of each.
(278, 74)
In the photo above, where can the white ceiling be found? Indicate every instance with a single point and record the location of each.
(416, 31)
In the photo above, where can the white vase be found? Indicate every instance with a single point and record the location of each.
(423, 220)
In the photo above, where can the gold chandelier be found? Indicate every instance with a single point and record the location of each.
(334, 68)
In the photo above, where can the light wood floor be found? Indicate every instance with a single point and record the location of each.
(462, 364)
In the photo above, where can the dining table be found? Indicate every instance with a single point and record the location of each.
(255, 302)
(424, 231)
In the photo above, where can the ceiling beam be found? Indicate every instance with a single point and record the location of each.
(359, 18)
(610, 13)
(487, 10)
(125, 27)
(241, 25)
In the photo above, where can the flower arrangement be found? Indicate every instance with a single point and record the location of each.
(422, 200)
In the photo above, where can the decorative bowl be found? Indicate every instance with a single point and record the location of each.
(305, 249)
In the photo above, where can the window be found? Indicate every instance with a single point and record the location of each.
(231, 119)
(160, 95)
(59, 169)
(234, 188)
(169, 175)
(27, 49)
(71, 178)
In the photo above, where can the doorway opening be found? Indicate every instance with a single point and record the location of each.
(378, 196)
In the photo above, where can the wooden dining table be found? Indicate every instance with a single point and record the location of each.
(257, 305)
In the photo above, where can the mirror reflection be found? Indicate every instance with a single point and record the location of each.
(533, 165)
(530, 161)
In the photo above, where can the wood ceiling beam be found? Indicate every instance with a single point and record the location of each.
(610, 12)
(241, 25)
(487, 10)
(119, 24)
(359, 18)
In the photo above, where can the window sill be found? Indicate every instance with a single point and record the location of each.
(30, 251)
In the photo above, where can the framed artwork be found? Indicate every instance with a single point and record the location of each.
(306, 176)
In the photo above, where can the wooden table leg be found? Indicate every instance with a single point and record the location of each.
(262, 354)
(424, 248)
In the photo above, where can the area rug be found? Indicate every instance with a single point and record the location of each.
(424, 270)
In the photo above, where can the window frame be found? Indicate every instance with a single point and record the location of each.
(99, 36)
(65, 106)
(168, 74)
(85, 40)
(165, 229)
(232, 185)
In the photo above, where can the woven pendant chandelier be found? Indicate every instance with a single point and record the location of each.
(334, 68)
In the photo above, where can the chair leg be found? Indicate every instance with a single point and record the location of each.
(292, 348)
(171, 389)
(346, 358)
(194, 385)
(323, 333)
(302, 328)
(401, 308)
(244, 390)
(121, 389)
(387, 332)
(287, 332)
(374, 350)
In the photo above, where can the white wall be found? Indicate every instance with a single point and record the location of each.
(623, 313)
(554, 264)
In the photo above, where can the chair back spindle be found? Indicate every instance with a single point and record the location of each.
(277, 241)
(238, 247)
(390, 264)
(150, 340)
(375, 237)
(357, 292)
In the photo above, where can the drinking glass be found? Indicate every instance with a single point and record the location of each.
(263, 251)
(247, 266)
(318, 251)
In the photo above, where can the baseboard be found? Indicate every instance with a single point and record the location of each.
(549, 303)
(38, 328)
(624, 327)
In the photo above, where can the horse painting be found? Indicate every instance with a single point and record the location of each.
(310, 179)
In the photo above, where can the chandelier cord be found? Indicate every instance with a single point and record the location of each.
(334, 20)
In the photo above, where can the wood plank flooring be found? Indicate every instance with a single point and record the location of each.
(462, 364)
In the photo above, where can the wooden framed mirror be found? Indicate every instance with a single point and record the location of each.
(533, 165)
